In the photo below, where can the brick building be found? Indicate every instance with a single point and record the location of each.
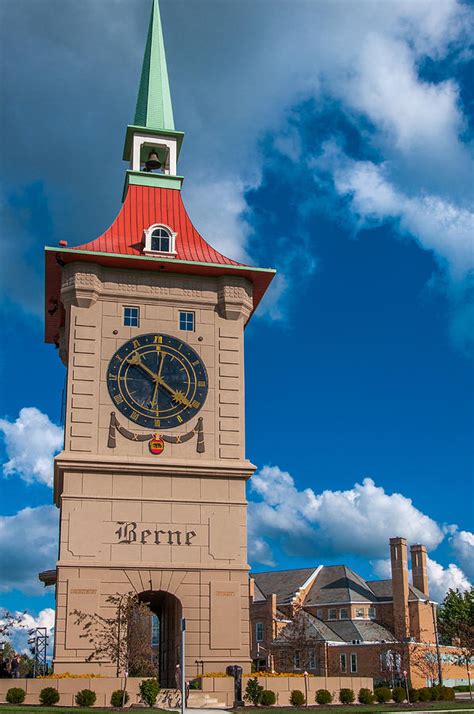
(330, 621)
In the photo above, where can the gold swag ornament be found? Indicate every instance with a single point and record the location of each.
(114, 426)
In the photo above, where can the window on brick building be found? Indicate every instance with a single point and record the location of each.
(372, 613)
(131, 316)
(353, 663)
(332, 615)
(259, 631)
(311, 659)
(359, 612)
(296, 660)
(343, 613)
(319, 613)
(343, 662)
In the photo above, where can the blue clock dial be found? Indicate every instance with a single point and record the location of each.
(157, 381)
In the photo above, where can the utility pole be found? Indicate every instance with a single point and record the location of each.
(438, 652)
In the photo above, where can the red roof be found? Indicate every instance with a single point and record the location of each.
(124, 241)
(144, 206)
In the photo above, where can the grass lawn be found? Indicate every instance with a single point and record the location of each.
(24, 708)
(365, 709)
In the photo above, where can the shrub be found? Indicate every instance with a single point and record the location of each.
(323, 696)
(414, 695)
(297, 698)
(119, 698)
(16, 695)
(85, 698)
(399, 694)
(253, 691)
(424, 694)
(446, 694)
(382, 695)
(268, 698)
(195, 684)
(149, 689)
(365, 696)
(346, 696)
(49, 696)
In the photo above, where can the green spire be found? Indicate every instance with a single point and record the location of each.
(154, 109)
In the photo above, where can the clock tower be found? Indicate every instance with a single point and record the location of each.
(149, 319)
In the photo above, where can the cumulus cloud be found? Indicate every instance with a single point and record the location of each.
(462, 543)
(31, 443)
(18, 634)
(358, 521)
(440, 579)
(438, 225)
(32, 532)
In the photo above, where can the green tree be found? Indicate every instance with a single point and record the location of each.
(456, 624)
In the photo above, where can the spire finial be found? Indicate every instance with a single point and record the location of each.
(154, 109)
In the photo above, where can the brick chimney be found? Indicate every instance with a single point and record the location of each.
(418, 567)
(398, 558)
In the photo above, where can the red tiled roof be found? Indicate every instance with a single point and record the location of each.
(144, 206)
(121, 246)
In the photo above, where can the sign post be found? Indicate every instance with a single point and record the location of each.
(183, 671)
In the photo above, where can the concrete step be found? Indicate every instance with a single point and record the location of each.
(200, 700)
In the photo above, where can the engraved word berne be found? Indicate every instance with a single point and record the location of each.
(127, 533)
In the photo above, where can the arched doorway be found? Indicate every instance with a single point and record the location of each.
(165, 629)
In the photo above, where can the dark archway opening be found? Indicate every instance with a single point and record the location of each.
(165, 634)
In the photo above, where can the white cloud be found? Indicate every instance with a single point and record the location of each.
(218, 206)
(462, 543)
(31, 443)
(357, 521)
(437, 225)
(18, 635)
(28, 545)
(440, 579)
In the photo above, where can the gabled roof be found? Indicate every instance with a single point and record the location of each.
(383, 591)
(338, 584)
(154, 109)
(362, 630)
(283, 583)
(310, 628)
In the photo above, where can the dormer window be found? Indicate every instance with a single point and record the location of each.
(159, 240)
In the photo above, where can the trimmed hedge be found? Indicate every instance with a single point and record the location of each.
(346, 696)
(399, 695)
(365, 696)
(382, 695)
(85, 698)
(119, 698)
(297, 698)
(15, 695)
(49, 696)
(323, 696)
(268, 698)
(424, 694)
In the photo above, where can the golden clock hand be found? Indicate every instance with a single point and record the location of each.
(178, 396)
(137, 362)
(154, 399)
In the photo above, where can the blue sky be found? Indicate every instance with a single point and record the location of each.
(338, 150)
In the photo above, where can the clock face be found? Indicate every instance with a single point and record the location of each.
(157, 381)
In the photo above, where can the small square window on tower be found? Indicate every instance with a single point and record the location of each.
(186, 321)
(131, 316)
